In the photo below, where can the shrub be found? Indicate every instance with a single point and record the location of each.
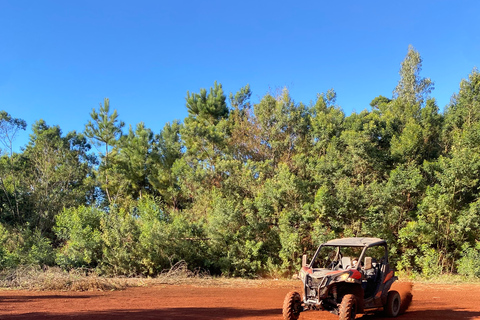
(79, 229)
(24, 247)
(121, 248)
(429, 261)
(468, 265)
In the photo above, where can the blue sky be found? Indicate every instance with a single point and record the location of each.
(60, 59)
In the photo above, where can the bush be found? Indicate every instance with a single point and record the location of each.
(121, 250)
(142, 239)
(24, 247)
(155, 240)
(429, 261)
(468, 265)
(79, 229)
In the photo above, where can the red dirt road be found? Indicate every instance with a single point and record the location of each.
(189, 302)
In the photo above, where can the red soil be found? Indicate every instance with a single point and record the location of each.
(189, 302)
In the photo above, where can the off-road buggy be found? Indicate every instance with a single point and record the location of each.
(345, 277)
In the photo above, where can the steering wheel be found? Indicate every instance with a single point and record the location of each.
(334, 265)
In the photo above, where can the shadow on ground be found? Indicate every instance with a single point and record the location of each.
(164, 314)
(225, 313)
(428, 314)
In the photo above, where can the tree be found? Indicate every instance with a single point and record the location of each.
(56, 174)
(9, 128)
(104, 130)
(204, 129)
(168, 150)
(463, 112)
(411, 88)
(326, 121)
(133, 164)
(204, 134)
(245, 139)
(211, 107)
(283, 125)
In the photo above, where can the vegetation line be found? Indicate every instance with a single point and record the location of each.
(242, 189)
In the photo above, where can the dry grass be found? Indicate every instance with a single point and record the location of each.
(179, 274)
(56, 279)
(36, 278)
(180, 271)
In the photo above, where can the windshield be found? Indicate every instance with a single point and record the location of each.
(335, 258)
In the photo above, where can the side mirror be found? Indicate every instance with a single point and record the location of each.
(304, 260)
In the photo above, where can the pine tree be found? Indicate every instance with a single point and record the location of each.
(104, 130)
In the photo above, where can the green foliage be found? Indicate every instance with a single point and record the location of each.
(464, 108)
(162, 176)
(79, 229)
(54, 172)
(430, 262)
(242, 188)
(166, 238)
(136, 156)
(232, 239)
(104, 130)
(9, 195)
(24, 247)
(210, 107)
(154, 238)
(141, 240)
(411, 88)
(121, 250)
(468, 263)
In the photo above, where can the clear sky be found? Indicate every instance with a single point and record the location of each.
(60, 59)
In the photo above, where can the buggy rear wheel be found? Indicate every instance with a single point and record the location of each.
(292, 306)
(392, 308)
(348, 307)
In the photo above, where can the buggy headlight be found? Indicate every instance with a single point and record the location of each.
(343, 276)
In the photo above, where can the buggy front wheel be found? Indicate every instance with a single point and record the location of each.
(292, 306)
(348, 307)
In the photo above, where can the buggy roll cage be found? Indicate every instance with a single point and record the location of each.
(364, 243)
